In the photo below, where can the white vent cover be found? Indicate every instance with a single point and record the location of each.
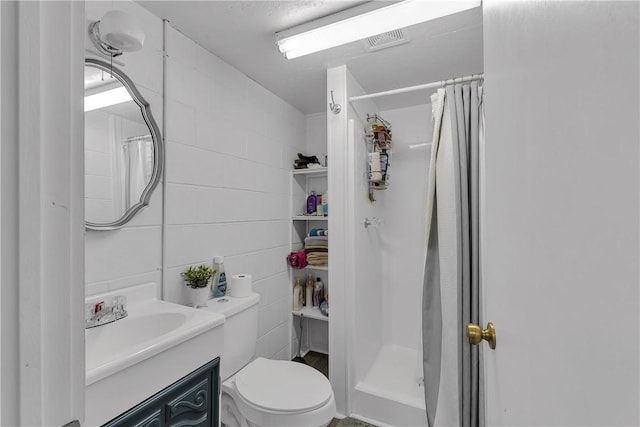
(385, 40)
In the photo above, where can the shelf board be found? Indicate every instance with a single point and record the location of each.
(309, 218)
(313, 171)
(312, 313)
(317, 267)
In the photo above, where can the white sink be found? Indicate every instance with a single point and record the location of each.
(154, 346)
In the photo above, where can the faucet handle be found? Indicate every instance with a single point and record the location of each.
(98, 307)
(118, 306)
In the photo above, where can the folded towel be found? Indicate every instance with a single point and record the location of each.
(317, 238)
(317, 259)
(316, 241)
(315, 249)
(318, 232)
(297, 259)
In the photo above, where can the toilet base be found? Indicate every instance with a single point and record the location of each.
(230, 416)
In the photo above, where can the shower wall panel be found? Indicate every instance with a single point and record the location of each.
(403, 208)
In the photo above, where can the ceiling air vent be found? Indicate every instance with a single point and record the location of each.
(385, 40)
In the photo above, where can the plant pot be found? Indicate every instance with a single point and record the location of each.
(199, 296)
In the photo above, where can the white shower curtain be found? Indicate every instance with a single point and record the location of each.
(138, 167)
(451, 288)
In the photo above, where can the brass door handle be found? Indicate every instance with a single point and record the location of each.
(476, 334)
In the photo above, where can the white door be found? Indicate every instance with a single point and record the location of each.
(560, 237)
(42, 254)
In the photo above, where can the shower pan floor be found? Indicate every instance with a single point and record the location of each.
(394, 376)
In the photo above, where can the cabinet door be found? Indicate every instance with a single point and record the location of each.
(192, 400)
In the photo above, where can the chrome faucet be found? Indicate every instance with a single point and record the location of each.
(97, 314)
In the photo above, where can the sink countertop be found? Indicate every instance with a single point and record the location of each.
(151, 327)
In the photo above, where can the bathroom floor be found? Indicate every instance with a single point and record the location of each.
(318, 361)
(349, 422)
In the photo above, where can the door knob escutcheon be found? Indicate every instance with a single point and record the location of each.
(476, 334)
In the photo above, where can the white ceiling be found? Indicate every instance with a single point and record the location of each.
(242, 33)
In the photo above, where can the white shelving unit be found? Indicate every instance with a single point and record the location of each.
(311, 313)
(309, 218)
(303, 182)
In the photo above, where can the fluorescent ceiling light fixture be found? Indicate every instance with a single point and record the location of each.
(106, 98)
(301, 40)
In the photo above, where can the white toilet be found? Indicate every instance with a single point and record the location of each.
(263, 392)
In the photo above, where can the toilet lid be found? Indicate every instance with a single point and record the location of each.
(282, 386)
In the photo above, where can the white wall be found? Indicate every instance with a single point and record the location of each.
(561, 247)
(367, 306)
(99, 178)
(230, 146)
(131, 255)
(316, 141)
(402, 207)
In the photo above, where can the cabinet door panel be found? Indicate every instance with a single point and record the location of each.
(192, 406)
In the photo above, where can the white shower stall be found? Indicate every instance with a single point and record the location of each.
(383, 249)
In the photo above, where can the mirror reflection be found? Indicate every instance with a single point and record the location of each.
(121, 164)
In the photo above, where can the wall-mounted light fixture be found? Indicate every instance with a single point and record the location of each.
(115, 33)
(344, 27)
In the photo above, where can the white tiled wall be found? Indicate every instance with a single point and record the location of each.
(230, 146)
(131, 255)
(317, 136)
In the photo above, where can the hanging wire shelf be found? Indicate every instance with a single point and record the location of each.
(378, 138)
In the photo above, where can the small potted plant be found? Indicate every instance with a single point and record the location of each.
(197, 279)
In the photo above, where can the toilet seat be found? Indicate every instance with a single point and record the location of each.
(275, 386)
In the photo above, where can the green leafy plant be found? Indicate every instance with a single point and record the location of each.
(198, 277)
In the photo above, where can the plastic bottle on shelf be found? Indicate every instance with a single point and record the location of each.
(309, 293)
(312, 202)
(318, 294)
(325, 204)
(219, 286)
(297, 296)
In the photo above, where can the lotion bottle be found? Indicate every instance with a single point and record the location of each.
(297, 296)
(309, 293)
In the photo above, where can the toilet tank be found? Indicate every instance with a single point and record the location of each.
(240, 331)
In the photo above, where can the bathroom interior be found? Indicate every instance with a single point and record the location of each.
(215, 120)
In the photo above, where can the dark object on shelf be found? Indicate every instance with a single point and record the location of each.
(303, 161)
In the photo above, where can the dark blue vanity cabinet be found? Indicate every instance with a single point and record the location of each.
(191, 401)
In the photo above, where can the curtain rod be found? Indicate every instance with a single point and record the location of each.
(419, 87)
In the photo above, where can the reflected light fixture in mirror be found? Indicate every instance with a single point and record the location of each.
(106, 98)
(359, 22)
(116, 32)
